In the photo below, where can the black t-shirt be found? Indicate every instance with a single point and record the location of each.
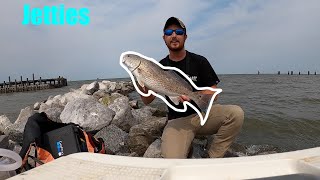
(199, 70)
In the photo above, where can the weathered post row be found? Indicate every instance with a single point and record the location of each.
(291, 73)
(32, 85)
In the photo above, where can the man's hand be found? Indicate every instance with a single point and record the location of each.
(143, 89)
(183, 98)
(146, 100)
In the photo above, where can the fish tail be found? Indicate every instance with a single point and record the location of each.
(202, 100)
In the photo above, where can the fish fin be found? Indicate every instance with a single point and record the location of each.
(175, 99)
(140, 82)
(202, 100)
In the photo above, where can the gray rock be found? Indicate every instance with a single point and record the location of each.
(83, 87)
(114, 138)
(134, 104)
(14, 146)
(93, 87)
(73, 95)
(24, 115)
(103, 86)
(43, 107)
(109, 99)
(54, 114)
(143, 114)
(55, 102)
(123, 118)
(112, 86)
(88, 113)
(4, 141)
(4, 123)
(124, 87)
(15, 131)
(199, 149)
(142, 135)
(100, 94)
(154, 150)
(36, 106)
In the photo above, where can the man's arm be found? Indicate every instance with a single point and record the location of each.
(186, 98)
(146, 100)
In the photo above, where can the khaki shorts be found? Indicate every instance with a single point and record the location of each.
(224, 121)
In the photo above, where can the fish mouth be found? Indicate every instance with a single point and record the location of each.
(124, 58)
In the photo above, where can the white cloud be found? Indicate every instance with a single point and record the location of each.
(237, 37)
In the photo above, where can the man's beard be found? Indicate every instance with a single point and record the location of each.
(175, 49)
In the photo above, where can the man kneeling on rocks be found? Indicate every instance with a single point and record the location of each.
(225, 121)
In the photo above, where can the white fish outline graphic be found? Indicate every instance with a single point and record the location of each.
(203, 120)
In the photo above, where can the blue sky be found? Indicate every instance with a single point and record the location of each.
(236, 36)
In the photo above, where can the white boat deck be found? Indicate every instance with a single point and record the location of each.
(303, 164)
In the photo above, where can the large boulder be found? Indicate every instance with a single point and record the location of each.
(15, 131)
(24, 116)
(142, 135)
(54, 101)
(88, 113)
(100, 94)
(103, 87)
(143, 114)
(73, 95)
(54, 114)
(109, 99)
(154, 150)
(36, 106)
(124, 87)
(93, 87)
(114, 138)
(123, 118)
(199, 148)
(110, 85)
(4, 123)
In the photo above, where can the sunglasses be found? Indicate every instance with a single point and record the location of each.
(169, 32)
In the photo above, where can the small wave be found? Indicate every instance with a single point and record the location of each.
(311, 100)
(253, 150)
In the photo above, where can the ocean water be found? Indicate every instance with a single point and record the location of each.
(281, 111)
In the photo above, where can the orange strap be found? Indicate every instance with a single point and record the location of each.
(43, 155)
(88, 140)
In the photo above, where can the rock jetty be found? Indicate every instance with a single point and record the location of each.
(128, 128)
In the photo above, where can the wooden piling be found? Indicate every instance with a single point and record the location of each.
(33, 79)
